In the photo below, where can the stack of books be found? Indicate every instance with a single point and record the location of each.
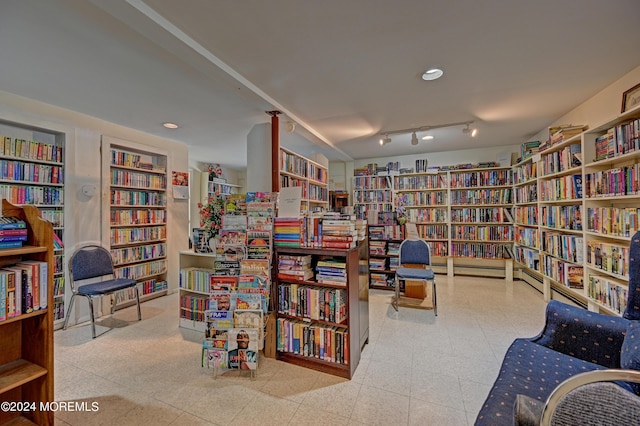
(294, 268)
(331, 271)
(339, 232)
(377, 248)
(288, 231)
(13, 232)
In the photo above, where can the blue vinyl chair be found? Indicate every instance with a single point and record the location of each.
(415, 264)
(93, 262)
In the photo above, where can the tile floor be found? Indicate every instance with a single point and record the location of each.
(416, 370)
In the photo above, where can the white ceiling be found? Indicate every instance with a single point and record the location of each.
(344, 70)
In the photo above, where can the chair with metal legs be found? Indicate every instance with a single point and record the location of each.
(415, 264)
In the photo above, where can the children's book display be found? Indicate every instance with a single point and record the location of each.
(240, 285)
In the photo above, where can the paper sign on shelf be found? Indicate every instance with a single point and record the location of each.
(290, 201)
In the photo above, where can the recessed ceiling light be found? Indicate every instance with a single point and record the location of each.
(432, 74)
(427, 137)
(170, 125)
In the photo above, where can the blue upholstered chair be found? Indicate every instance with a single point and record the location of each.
(91, 274)
(415, 264)
(573, 341)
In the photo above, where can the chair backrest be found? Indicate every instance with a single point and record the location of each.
(91, 261)
(415, 252)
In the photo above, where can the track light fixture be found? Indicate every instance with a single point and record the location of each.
(414, 139)
(469, 131)
(385, 139)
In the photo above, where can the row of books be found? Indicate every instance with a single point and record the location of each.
(481, 250)
(432, 231)
(560, 133)
(526, 194)
(528, 149)
(137, 198)
(372, 182)
(138, 253)
(568, 274)
(565, 217)
(435, 198)
(618, 221)
(136, 217)
(608, 257)
(16, 147)
(614, 182)
(561, 188)
(137, 234)
(427, 214)
(481, 214)
(481, 178)
(23, 288)
(528, 257)
(565, 159)
(608, 293)
(527, 215)
(482, 233)
(31, 172)
(618, 140)
(315, 303)
(327, 343)
(136, 179)
(482, 196)
(142, 270)
(525, 173)
(421, 182)
(567, 247)
(136, 161)
(527, 236)
(38, 195)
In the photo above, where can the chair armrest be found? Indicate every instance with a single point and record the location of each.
(619, 400)
(586, 335)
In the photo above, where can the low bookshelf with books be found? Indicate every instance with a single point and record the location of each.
(26, 316)
(384, 246)
(322, 317)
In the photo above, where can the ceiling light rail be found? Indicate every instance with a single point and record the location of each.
(386, 136)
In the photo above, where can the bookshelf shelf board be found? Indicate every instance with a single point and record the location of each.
(19, 251)
(607, 163)
(17, 373)
(188, 290)
(560, 146)
(140, 169)
(311, 283)
(333, 368)
(565, 201)
(136, 206)
(138, 261)
(24, 316)
(472, 187)
(139, 188)
(563, 230)
(145, 277)
(423, 190)
(136, 225)
(608, 236)
(599, 271)
(482, 223)
(481, 205)
(314, 321)
(138, 243)
(31, 183)
(571, 171)
(614, 197)
(525, 182)
(31, 160)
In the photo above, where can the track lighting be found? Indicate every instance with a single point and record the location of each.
(385, 139)
(469, 131)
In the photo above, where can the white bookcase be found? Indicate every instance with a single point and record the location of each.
(135, 191)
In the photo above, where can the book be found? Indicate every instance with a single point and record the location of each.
(10, 222)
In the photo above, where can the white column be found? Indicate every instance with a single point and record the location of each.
(259, 158)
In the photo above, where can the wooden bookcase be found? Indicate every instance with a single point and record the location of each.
(355, 326)
(33, 172)
(383, 259)
(26, 358)
(136, 184)
(312, 177)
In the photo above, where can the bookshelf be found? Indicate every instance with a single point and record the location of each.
(464, 215)
(312, 177)
(195, 288)
(26, 359)
(215, 188)
(33, 172)
(611, 209)
(137, 216)
(347, 336)
(384, 243)
(525, 215)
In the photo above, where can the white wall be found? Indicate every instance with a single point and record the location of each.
(83, 166)
(601, 108)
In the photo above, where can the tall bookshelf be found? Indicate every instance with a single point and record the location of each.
(611, 209)
(310, 176)
(559, 217)
(463, 214)
(136, 181)
(215, 187)
(525, 215)
(26, 358)
(350, 334)
(33, 172)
